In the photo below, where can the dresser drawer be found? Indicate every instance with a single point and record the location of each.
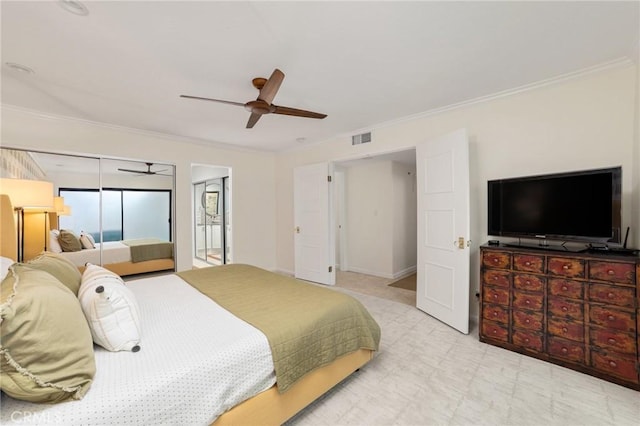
(613, 295)
(495, 331)
(613, 318)
(528, 263)
(566, 288)
(565, 267)
(616, 365)
(616, 341)
(623, 273)
(528, 339)
(566, 349)
(526, 300)
(528, 282)
(561, 307)
(496, 259)
(494, 277)
(495, 295)
(565, 328)
(495, 313)
(527, 319)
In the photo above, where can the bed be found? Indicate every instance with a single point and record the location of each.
(201, 330)
(120, 256)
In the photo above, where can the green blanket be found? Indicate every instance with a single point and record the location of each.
(307, 326)
(148, 249)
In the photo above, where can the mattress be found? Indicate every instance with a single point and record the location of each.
(112, 252)
(196, 361)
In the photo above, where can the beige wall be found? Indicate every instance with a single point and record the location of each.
(404, 221)
(582, 123)
(254, 205)
(635, 210)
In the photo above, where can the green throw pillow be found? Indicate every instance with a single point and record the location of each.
(65, 271)
(69, 241)
(46, 354)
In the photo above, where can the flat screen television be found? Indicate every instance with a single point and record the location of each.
(576, 206)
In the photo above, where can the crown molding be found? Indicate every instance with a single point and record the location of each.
(616, 63)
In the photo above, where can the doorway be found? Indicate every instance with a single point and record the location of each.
(211, 215)
(375, 228)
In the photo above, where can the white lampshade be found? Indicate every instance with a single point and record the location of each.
(28, 194)
(58, 204)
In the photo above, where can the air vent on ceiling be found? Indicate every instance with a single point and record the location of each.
(362, 138)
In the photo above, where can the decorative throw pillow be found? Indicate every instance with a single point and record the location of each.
(91, 239)
(5, 262)
(61, 268)
(86, 242)
(69, 241)
(54, 244)
(46, 353)
(111, 310)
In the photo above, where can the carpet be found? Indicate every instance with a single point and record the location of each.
(407, 283)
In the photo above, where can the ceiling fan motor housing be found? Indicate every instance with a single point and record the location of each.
(259, 107)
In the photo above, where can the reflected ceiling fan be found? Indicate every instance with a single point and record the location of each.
(146, 172)
(262, 105)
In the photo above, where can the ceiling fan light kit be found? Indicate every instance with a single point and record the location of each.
(262, 105)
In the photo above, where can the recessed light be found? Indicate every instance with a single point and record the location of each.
(301, 140)
(19, 67)
(74, 7)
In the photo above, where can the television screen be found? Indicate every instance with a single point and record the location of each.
(578, 206)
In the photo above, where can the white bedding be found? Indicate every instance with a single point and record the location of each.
(196, 361)
(112, 252)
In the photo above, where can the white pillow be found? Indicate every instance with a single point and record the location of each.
(86, 242)
(5, 262)
(91, 239)
(54, 245)
(110, 308)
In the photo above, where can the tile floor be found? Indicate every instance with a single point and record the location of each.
(429, 374)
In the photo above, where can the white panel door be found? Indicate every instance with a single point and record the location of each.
(314, 237)
(443, 229)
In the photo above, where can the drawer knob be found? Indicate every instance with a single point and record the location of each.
(611, 318)
(495, 260)
(526, 340)
(610, 295)
(495, 313)
(564, 288)
(613, 364)
(527, 263)
(611, 272)
(528, 282)
(611, 340)
(527, 302)
(495, 296)
(565, 309)
(565, 329)
(527, 321)
(564, 350)
(495, 331)
(495, 278)
(565, 267)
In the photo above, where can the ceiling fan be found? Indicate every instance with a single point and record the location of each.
(146, 172)
(262, 105)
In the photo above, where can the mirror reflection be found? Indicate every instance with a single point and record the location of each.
(115, 213)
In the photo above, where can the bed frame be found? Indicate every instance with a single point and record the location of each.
(267, 408)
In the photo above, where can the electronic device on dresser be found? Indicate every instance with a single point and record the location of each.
(582, 206)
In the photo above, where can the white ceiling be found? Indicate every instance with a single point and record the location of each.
(362, 63)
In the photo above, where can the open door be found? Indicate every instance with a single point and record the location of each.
(443, 229)
(314, 246)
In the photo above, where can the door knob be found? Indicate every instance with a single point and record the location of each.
(297, 229)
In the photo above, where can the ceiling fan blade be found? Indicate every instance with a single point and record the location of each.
(212, 100)
(132, 171)
(270, 88)
(253, 119)
(297, 112)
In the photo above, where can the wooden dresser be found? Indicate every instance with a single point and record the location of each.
(578, 310)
